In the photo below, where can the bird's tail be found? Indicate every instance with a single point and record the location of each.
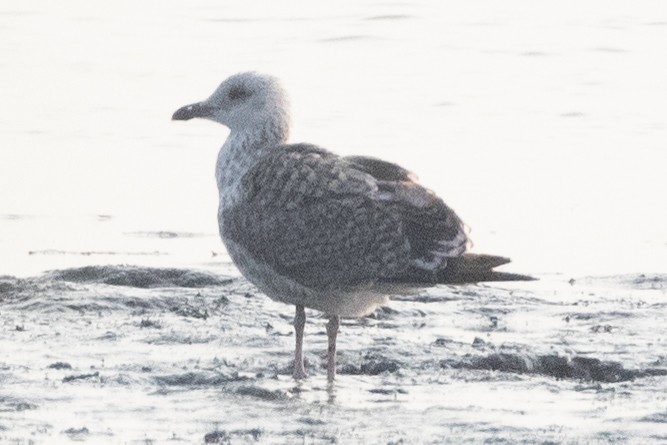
(467, 268)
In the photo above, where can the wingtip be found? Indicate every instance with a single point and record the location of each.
(508, 276)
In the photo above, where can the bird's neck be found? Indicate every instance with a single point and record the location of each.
(240, 153)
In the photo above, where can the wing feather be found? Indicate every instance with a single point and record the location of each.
(434, 230)
(312, 218)
(327, 221)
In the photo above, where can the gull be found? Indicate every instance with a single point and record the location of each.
(316, 230)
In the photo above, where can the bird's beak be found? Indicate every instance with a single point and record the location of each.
(200, 109)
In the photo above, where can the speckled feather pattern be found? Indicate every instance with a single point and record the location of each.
(328, 223)
(311, 228)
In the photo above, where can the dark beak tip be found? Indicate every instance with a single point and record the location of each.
(191, 111)
(183, 114)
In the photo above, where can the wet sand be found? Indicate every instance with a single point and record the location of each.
(122, 354)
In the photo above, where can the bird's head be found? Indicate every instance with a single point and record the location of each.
(244, 101)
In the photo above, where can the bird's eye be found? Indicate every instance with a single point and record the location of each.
(238, 93)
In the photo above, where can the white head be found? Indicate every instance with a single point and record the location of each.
(244, 102)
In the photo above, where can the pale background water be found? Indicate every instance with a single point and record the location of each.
(542, 123)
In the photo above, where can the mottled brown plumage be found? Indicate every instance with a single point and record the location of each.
(317, 230)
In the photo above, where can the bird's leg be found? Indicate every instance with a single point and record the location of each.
(332, 332)
(299, 324)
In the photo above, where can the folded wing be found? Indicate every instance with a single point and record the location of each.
(331, 222)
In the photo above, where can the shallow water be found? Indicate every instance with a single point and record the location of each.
(543, 126)
(111, 354)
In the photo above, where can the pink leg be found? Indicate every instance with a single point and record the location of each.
(299, 324)
(332, 332)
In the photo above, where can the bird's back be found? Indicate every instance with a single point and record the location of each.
(337, 223)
